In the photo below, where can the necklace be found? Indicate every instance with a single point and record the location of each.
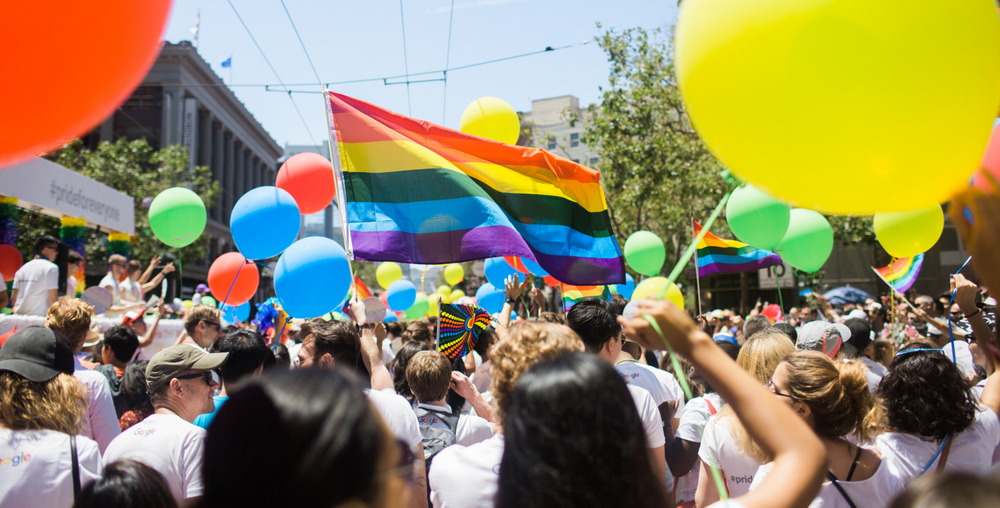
(619, 362)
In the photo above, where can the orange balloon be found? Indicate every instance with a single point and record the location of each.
(232, 270)
(10, 262)
(308, 177)
(75, 62)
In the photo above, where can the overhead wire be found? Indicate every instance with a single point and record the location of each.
(304, 50)
(447, 62)
(406, 65)
(290, 98)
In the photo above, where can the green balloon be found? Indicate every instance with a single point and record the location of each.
(757, 218)
(177, 217)
(644, 252)
(808, 242)
(419, 308)
(208, 300)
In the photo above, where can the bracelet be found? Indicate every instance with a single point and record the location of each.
(967, 316)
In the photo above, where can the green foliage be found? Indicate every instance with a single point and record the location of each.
(656, 172)
(135, 168)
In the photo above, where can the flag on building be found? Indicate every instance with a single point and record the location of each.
(716, 255)
(227, 63)
(902, 273)
(573, 294)
(415, 192)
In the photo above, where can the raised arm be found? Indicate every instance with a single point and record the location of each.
(161, 309)
(965, 296)
(149, 270)
(370, 352)
(151, 285)
(512, 291)
(799, 457)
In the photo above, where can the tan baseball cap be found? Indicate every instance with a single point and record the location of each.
(173, 360)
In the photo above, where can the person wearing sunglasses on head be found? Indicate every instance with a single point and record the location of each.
(202, 326)
(180, 384)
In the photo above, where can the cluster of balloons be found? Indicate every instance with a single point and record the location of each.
(491, 118)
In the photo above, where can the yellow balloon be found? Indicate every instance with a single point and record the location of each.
(188, 304)
(906, 234)
(454, 273)
(387, 273)
(651, 287)
(491, 118)
(843, 106)
(433, 301)
(456, 294)
(444, 290)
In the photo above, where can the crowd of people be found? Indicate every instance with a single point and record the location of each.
(878, 404)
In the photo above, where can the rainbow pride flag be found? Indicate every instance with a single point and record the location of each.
(361, 288)
(716, 255)
(902, 273)
(573, 294)
(415, 192)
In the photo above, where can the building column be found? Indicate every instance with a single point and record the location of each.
(230, 186)
(218, 170)
(205, 143)
(247, 170)
(240, 182)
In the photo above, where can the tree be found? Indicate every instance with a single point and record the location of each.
(135, 168)
(657, 173)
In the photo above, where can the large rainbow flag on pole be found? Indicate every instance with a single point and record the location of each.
(901, 273)
(415, 192)
(716, 255)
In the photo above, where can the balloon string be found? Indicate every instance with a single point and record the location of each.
(694, 244)
(238, 270)
(277, 338)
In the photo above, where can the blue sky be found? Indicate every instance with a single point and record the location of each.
(363, 39)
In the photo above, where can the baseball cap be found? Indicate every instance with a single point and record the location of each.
(823, 336)
(173, 360)
(37, 354)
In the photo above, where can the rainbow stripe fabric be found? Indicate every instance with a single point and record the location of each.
(902, 273)
(415, 192)
(573, 294)
(362, 288)
(716, 255)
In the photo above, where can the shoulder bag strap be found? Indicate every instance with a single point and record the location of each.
(76, 467)
(944, 456)
(833, 480)
(711, 407)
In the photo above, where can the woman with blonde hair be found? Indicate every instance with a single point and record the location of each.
(834, 400)
(725, 443)
(42, 405)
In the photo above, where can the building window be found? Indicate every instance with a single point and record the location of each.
(593, 161)
(552, 143)
(577, 161)
(574, 140)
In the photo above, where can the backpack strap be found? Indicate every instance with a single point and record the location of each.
(944, 455)
(449, 419)
(76, 467)
(833, 480)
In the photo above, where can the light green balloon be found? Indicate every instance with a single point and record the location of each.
(419, 308)
(757, 218)
(208, 300)
(645, 253)
(906, 234)
(808, 242)
(177, 217)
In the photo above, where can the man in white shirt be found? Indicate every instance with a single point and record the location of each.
(71, 317)
(429, 375)
(73, 263)
(203, 325)
(116, 269)
(180, 384)
(596, 322)
(36, 283)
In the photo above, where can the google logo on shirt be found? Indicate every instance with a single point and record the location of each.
(15, 460)
(143, 433)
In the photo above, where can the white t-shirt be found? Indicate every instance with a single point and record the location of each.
(719, 449)
(36, 467)
(659, 383)
(692, 425)
(71, 284)
(466, 476)
(471, 429)
(971, 451)
(481, 378)
(398, 415)
(652, 423)
(168, 444)
(100, 422)
(874, 373)
(877, 491)
(388, 354)
(110, 283)
(129, 291)
(33, 281)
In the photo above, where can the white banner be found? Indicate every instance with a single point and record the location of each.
(50, 188)
(772, 276)
(190, 128)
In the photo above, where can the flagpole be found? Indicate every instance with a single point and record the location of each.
(697, 276)
(339, 176)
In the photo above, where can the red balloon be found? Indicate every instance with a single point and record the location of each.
(40, 111)
(515, 263)
(550, 280)
(10, 261)
(384, 298)
(229, 267)
(308, 177)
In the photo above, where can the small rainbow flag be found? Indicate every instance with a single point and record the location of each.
(572, 294)
(361, 288)
(716, 255)
(902, 273)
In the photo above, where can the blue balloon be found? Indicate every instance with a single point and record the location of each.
(490, 298)
(401, 294)
(264, 222)
(497, 270)
(627, 288)
(236, 314)
(309, 275)
(390, 317)
(534, 267)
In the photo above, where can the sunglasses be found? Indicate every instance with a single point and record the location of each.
(770, 386)
(206, 376)
(213, 323)
(405, 468)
